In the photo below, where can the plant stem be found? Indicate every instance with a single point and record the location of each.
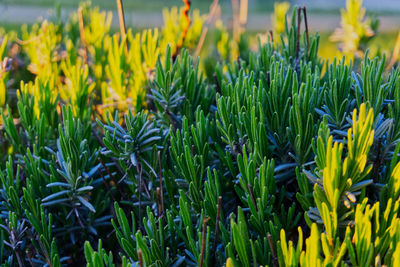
(298, 32)
(306, 25)
(161, 184)
(213, 9)
(203, 241)
(139, 169)
(217, 227)
(140, 258)
(122, 26)
(271, 245)
(112, 177)
(252, 196)
(185, 30)
(82, 34)
(107, 186)
(377, 162)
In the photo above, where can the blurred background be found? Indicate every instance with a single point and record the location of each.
(324, 16)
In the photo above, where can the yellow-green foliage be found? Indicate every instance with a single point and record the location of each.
(271, 158)
(312, 255)
(129, 74)
(340, 179)
(369, 232)
(279, 17)
(227, 47)
(76, 89)
(355, 28)
(41, 44)
(97, 25)
(3, 72)
(121, 78)
(42, 92)
(175, 23)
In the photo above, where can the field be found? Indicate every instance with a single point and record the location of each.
(206, 140)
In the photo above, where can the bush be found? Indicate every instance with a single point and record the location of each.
(127, 147)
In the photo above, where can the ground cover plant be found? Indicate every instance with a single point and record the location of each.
(124, 149)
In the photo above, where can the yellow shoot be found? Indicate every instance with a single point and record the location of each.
(396, 256)
(3, 71)
(394, 182)
(332, 172)
(229, 263)
(41, 46)
(174, 25)
(311, 256)
(279, 17)
(359, 140)
(354, 27)
(76, 84)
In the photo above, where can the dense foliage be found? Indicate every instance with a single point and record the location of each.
(132, 152)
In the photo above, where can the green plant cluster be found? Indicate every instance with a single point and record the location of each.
(277, 159)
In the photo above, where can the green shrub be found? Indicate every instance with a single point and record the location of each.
(277, 158)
